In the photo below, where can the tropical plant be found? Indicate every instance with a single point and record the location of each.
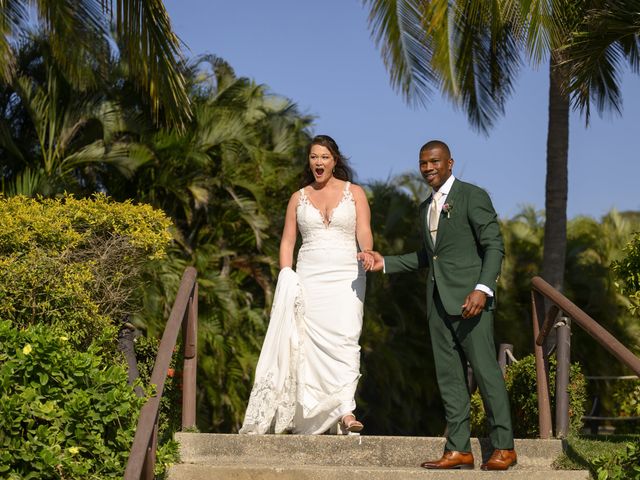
(53, 136)
(141, 29)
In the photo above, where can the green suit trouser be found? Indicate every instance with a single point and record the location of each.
(455, 341)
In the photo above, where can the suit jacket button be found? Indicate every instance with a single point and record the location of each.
(435, 257)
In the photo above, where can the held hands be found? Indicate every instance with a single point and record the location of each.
(474, 304)
(371, 261)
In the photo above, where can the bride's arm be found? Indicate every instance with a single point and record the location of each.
(363, 219)
(289, 233)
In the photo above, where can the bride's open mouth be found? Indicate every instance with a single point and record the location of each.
(319, 171)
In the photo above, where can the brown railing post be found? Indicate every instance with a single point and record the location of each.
(542, 370)
(541, 290)
(190, 362)
(563, 356)
(185, 308)
(148, 468)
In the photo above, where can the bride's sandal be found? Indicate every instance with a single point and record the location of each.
(348, 423)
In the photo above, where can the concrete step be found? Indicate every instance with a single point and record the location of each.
(323, 472)
(343, 450)
(348, 457)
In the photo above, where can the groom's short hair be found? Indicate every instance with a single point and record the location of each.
(436, 144)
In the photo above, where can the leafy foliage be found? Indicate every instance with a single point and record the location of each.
(520, 380)
(75, 263)
(225, 183)
(64, 413)
(621, 466)
(99, 30)
(626, 398)
(628, 271)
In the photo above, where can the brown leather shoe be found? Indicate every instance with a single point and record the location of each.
(500, 460)
(450, 460)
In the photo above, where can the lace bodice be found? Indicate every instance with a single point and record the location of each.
(337, 231)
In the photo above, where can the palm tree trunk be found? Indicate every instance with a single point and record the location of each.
(556, 188)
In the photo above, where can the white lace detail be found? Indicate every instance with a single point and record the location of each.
(338, 230)
(272, 403)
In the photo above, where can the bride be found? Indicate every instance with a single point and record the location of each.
(309, 364)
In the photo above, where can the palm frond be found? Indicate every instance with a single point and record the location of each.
(80, 23)
(126, 157)
(28, 182)
(487, 59)
(469, 49)
(406, 50)
(594, 55)
(152, 50)
(13, 14)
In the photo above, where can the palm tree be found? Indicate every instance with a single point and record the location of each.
(82, 33)
(51, 133)
(471, 51)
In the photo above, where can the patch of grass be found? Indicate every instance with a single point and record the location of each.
(580, 451)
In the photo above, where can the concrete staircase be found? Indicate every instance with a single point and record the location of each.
(349, 457)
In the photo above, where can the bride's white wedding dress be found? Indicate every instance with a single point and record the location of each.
(309, 364)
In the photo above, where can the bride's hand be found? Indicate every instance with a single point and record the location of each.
(371, 261)
(366, 259)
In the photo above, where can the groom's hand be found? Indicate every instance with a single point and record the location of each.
(474, 304)
(372, 261)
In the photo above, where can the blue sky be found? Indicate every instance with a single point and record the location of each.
(320, 55)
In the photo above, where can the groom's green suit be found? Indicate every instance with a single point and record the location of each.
(468, 251)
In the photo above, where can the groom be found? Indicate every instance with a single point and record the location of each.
(462, 248)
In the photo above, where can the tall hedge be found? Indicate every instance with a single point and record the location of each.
(75, 262)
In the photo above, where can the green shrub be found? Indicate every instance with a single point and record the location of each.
(626, 398)
(76, 263)
(628, 271)
(521, 381)
(63, 413)
(620, 466)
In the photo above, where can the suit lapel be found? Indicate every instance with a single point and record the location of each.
(443, 224)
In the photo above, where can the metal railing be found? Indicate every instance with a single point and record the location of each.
(184, 313)
(560, 315)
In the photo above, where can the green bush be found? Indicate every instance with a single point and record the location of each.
(76, 263)
(628, 271)
(626, 398)
(521, 381)
(620, 466)
(63, 413)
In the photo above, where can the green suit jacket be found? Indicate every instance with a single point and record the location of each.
(468, 248)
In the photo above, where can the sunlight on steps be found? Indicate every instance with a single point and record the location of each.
(353, 457)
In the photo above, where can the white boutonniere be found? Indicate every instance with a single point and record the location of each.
(446, 208)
